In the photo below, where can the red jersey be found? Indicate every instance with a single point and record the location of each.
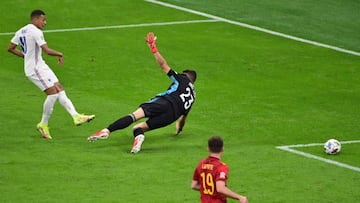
(207, 172)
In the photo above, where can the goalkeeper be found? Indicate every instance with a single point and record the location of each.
(171, 105)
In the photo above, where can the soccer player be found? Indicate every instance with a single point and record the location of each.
(32, 43)
(165, 108)
(211, 174)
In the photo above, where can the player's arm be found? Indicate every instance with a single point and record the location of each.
(161, 61)
(53, 52)
(195, 185)
(151, 40)
(221, 188)
(12, 49)
(180, 124)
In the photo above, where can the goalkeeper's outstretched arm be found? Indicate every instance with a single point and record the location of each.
(151, 41)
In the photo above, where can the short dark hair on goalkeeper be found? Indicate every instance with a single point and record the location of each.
(191, 74)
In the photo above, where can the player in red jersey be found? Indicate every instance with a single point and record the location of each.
(211, 174)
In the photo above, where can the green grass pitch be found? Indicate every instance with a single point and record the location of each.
(256, 90)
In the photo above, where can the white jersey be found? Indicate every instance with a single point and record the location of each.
(30, 38)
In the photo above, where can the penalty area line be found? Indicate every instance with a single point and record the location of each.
(289, 148)
(254, 27)
(124, 26)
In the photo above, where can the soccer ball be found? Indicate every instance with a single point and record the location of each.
(332, 146)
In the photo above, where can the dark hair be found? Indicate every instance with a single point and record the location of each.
(215, 144)
(191, 74)
(36, 13)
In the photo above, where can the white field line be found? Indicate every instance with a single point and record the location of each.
(255, 28)
(288, 148)
(123, 26)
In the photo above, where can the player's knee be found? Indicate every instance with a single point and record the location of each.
(51, 90)
(141, 125)
(58, 87)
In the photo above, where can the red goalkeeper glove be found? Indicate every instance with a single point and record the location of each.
(151, 39)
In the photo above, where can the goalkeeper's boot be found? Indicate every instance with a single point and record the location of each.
(138, 140)
(44, 130)
(81, 118)
(101, 134)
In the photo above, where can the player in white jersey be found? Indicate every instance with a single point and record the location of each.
(32, 43)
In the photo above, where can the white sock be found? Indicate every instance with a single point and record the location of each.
(67, 104)
(48, 107)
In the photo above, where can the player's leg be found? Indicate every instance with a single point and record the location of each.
(150, 110)
(159, 120)
(119, 124)
(44, 79)
(139, 137)
(127, 120)
(69, 106)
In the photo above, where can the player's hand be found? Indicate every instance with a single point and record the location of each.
(180, 123)
(243, 199)
(151, 40)
(179, 127)
(61, 60)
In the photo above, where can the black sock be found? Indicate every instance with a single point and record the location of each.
(138, 131)
(122, 123)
